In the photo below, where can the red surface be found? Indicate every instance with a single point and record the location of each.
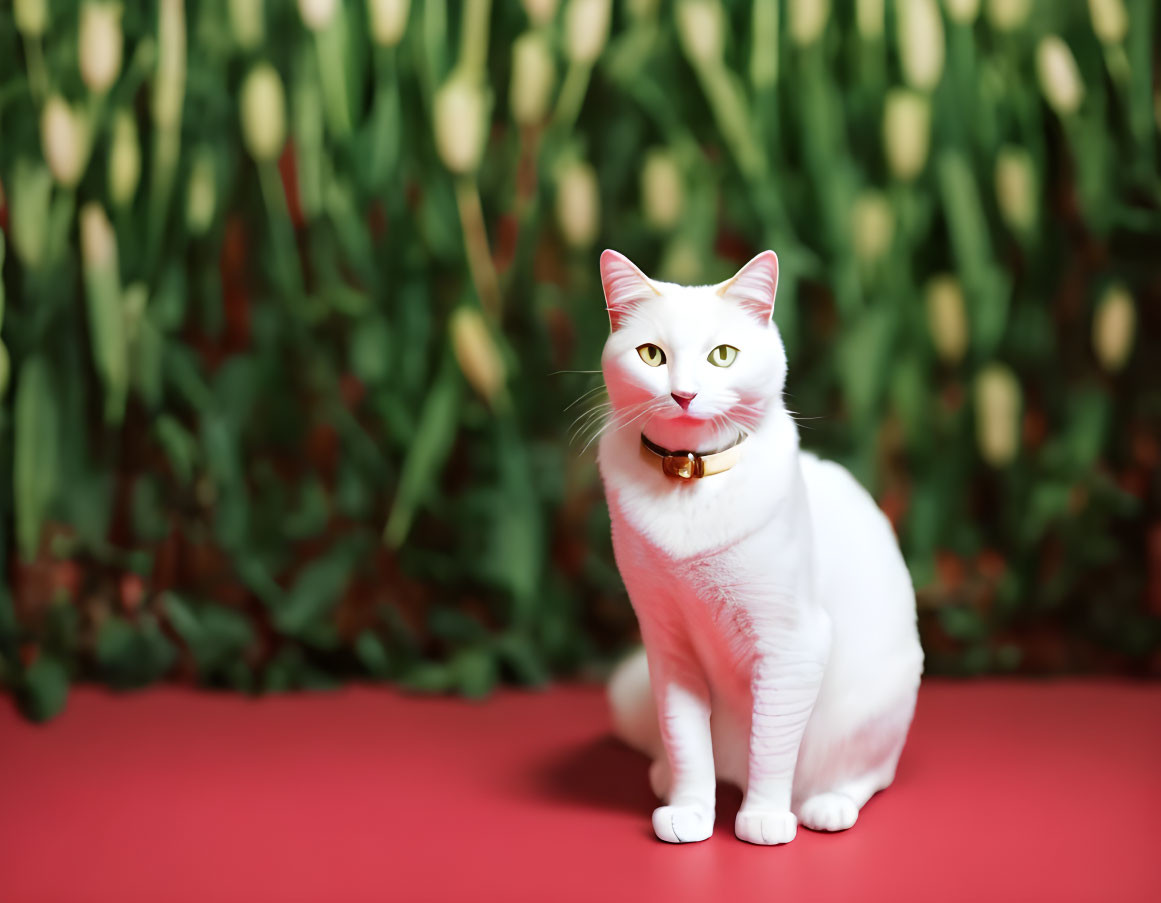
(1005, 792)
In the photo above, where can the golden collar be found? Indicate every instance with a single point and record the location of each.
(687, 465)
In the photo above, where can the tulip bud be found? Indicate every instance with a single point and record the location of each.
(946, 318)
(533, 78)
(586, 29)
(124, 159)
(460, 121)
(98, 243)
(578, 204)
(247, 22)
(5, 369)
(540, 12)
(1016, 189)
(962, 12)
(99, 45)
(317, 14)
(699, 26)
(263, 109)
(31, 17)
(906, 132)
(169, 85)
(1113, 328)
(201, 193)
(872, 225)
(1059, 78)
(1110, 21)
(662, 190)
(64, 135)
(643, 10)
(920, 36)
(807, 20)
(998, 401)
(1008, 15)
(476, 352)
(388, 20)
(869, 18)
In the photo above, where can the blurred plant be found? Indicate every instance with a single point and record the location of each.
(298, 302)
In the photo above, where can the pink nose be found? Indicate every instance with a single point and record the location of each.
(683, 400)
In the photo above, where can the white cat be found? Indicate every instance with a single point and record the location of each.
(770, 590)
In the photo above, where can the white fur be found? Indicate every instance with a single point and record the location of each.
(772, 597)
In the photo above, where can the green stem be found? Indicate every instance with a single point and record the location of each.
(280, 226)
(572, 96)
(480, 265)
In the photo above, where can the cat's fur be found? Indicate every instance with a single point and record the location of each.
(772, 595)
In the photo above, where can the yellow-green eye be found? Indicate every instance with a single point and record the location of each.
(651, 354)
(723, 355)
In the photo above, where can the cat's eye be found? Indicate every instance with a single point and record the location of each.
(651, 354)
(723, 355)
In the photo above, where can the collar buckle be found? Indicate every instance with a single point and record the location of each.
(683, 467)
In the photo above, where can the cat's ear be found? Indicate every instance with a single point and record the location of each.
(754, 286)
(625, 286)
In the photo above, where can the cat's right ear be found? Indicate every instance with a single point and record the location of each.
(625, 286)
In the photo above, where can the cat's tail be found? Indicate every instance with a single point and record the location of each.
(631, 703)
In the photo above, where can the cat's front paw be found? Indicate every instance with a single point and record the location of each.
(683, 824)
(765, 826)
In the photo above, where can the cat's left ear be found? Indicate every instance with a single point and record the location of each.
(754, 286)
(625, 287)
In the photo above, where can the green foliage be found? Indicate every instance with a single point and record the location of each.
(292, 319)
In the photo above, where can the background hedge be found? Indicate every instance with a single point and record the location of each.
(296, 299)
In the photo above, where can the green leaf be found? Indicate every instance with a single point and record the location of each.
(133, 655)
(45, 688)
(35, 452)
(427, 454)
(318, 589)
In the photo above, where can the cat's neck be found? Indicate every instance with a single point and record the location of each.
(690, 435)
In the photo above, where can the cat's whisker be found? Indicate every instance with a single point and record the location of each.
(583, 396)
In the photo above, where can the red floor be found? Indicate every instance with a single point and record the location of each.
(1007, 791)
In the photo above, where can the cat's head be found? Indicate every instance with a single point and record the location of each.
(692, 360)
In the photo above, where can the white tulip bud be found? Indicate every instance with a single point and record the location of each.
(124, 159)
(1008, 15)
(962, 12)
(807, 20)
(31, 17)
(921, 48)
(906, 132)
(540, 12)
(476, 352)
(99, 45)
(699, 26)
(388, 20)
(586, 29)
(946, 318)
(662, 190)
(64, 135)
(533, 78)
(201, 193)
(578, 204)
(872, 225)
(317, 14)
(263, 112)
(998, 402)
(1113, 328)
(1017, 193)
(98, 242)
(869, 18)
(1059, 78)
(1110, 21)
(169, 85)
(247, 22)
(460, 121)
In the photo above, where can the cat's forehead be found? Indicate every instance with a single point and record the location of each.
(688, 311)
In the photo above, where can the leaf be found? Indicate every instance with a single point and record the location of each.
(427, 454)
(44, 689)
(133, 655)
(217, 637)
(862, 363)
(373, 654)
(35, 452)
(318, 589)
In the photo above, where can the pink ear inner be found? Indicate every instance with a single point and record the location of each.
(625, 286)
(755, 285)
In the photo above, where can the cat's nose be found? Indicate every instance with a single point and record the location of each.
(683, 399)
